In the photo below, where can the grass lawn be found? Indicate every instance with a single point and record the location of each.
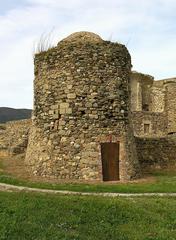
(163, 182)
(158, 181)
(45, 217)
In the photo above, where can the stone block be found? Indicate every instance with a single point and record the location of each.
(64, 105)
(54, 107)
(68, 110)
(71, 96)
(63, 139)
(69, 87)
(62, 122)
(62, 110)
(93, 116)
(51, 112)
(56, 116)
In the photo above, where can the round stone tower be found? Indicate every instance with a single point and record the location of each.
(81, 120)
(170, 86)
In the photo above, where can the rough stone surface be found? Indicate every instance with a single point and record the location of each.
(14, 137)
(154, 120)
(85, 95)
(82, 99)
(82, 37)
(153, 104)
(156, 153)
(157, 122)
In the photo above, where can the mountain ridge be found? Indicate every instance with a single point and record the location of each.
(12, 114)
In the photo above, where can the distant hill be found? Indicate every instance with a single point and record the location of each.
(10, 114)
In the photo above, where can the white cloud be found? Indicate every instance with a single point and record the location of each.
(147, 27)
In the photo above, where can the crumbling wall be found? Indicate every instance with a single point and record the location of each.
(158, 97)
(136, 92)
(14, 137)
(170, 86)
(141, 91)
(156, 121)
(3, 141)
(81, 93)
(156, 153)
(151, 106)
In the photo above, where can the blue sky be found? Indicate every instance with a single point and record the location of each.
(146, 27)
(7, 5)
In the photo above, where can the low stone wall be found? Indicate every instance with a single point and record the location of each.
(14, 137)
(156, 153)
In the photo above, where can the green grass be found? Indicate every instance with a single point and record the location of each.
(164, 182)
(44, 217)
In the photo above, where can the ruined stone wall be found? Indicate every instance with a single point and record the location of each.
(14, 137)
(158, 97)
(3, 141)
(146, 93)
(141, 91)
(136, 92)
(170, 86)
(82, 99)
(153, 116)
(156, 121)
(156, 153)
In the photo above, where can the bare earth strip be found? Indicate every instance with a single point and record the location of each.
(13, 188)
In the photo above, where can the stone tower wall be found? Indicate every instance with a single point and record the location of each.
(171, 105)
(82, 99)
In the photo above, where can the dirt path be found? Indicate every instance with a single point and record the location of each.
(13, 188)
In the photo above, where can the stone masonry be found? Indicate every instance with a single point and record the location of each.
(85, 96)
(14, 137)
(154, 120)
(81, 100)
(153, 106)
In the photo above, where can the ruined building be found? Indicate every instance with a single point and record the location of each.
(153, 106)
(93, 118)
(82, 126)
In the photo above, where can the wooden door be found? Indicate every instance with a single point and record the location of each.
(110, 161)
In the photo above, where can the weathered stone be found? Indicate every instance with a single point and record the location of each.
(55, 116)
(93, 116)
(51, 112)
(54, 107)
(62, 122)
(82, 75)
(68, 110)
(62, 110)
(64, 105)
(71, 95)
(14, 137)
(76, 145)
(82, 100)
(69, 86)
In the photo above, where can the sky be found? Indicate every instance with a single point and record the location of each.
(146, 27)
